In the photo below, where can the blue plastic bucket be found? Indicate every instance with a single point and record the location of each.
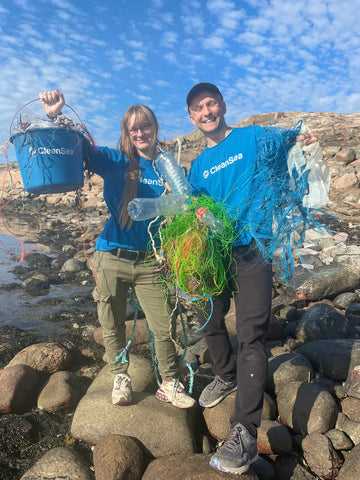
(50, 159)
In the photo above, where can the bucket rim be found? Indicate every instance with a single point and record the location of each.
(34, 130)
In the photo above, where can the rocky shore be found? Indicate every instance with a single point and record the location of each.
(56, 416)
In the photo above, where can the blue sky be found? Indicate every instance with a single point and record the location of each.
(265, 55)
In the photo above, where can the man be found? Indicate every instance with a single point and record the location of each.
(226, 170)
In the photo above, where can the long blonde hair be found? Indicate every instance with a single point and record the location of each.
(141, 113)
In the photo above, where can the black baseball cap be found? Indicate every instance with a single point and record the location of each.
(201, 87)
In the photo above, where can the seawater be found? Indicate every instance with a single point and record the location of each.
(21, 309)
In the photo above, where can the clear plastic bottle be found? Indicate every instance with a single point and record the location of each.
(171, 172)
(145, 208)
(208, 218)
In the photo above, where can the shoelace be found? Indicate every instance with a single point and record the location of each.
(178, 388)
(217, 381)
(234, 440)
(119, 381)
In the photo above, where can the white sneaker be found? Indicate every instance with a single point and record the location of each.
(173, 392)
(122, 392)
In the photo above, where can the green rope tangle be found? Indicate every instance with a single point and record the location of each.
(199, 262)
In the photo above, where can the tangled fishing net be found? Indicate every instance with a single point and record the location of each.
(284, 188)
(199, 262)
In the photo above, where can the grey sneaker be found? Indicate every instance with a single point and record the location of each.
(216, 391)
(237, 453)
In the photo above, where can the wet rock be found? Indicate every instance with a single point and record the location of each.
(117, 457)
(307, 408)
(37, 260)
(44, 357)
(19, 388)
(36, 284)
(69, 249)
(61, 392)
(321, 456)
(60, 460)
(72, 265)
(13, 339)
(321, 321)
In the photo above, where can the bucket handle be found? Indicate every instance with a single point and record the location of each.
(38, 99)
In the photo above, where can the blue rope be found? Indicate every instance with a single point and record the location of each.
(195, 299)
(182, 358)
(123, 355)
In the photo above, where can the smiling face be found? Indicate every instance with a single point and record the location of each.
(207, 110)
(142, 133)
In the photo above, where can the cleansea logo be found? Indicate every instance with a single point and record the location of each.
(50, 151)
(150, 181)
(224, 164)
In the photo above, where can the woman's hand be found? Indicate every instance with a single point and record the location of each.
(52, 102)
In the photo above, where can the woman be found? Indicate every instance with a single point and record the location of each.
(121, 258)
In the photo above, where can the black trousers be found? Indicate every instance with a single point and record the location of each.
(251, 286)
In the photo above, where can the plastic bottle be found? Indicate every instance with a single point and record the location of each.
(145, 208)
(172, 173)
(208, 218)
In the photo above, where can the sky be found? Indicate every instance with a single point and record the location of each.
(105, 55)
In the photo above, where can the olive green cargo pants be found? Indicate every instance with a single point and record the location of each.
(114, 276)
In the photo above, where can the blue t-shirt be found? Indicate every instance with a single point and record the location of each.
(226, 172)
(111, 165)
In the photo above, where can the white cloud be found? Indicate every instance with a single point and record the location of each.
(171, 57)
(226, 11)
(242, 60)
(136, 44)
(193, 23)
(144, 87)
(118, 59)
(167, 18)
(214, 43)
(161, 83)
(169, 39)
(144, 99)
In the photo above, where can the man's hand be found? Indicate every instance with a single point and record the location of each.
(307, 138)
(52, 102)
